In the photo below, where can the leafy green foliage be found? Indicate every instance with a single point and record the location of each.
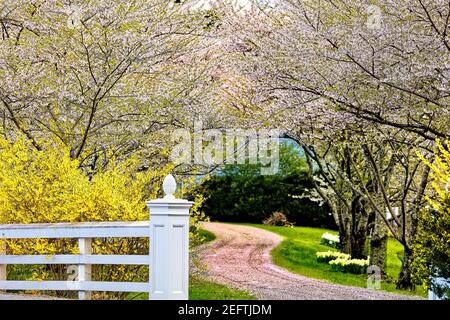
(240, 193)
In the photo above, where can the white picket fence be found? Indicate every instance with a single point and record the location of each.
(168, 259)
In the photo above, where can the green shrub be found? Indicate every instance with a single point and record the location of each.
(239, 193)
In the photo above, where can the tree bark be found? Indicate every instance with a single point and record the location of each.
(361, 225)
(378, 245)
(353, 241)
(345, 243)
(359, 249)
(353, 244)
(404, 280)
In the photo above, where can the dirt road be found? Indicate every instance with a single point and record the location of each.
(240, 258)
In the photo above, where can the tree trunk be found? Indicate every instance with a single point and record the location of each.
(359, 250)
(360, 221)
(404, 279)
(353, 231)
(345, 242)
(378, 245)
(353, 243)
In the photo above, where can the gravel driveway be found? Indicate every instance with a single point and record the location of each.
(240, 258)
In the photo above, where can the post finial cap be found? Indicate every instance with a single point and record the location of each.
(169, 187)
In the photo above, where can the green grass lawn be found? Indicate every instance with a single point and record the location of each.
(206, 235)
(297, 253)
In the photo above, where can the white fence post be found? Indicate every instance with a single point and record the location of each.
(169, 245)
(3, 273)
(84, 270)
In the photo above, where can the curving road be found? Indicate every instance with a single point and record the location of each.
(240, 258)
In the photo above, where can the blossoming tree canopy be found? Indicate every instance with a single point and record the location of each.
(102, 73)
(331, 53)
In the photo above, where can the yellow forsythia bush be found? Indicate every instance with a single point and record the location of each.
(47, 186)
(44, 186)
(432, 245)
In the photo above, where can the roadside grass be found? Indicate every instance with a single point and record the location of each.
(297, 253)
(206, 235)
(201, 289)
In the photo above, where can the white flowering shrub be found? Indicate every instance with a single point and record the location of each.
(327, 256)
(330, 240)
(355, 266)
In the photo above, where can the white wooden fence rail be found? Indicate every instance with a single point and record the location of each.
(168, 259)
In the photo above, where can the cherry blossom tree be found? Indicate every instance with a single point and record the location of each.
(103, 75)
(359, 85)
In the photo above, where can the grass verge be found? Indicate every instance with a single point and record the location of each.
(201, 289)
(297, 253)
